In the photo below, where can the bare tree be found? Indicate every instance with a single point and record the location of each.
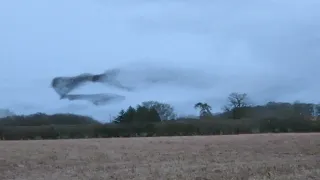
(165, 111)
(237, 104)
(205, 109)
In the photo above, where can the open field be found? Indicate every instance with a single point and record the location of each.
(264, 156)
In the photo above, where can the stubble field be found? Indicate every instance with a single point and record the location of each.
(264, 156)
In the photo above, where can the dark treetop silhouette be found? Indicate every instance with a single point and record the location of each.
(65, 85)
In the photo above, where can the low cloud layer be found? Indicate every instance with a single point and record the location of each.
(268, 49)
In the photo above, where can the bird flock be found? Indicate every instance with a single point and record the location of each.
(64, 86)
(137, 77)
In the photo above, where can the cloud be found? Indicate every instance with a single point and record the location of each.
(269, 49)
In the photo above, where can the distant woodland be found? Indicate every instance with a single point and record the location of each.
(154, 118)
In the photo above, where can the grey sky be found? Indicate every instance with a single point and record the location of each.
(269, 49)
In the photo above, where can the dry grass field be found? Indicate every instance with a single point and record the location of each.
(265, 156)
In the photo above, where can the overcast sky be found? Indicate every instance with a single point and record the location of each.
(269, 49)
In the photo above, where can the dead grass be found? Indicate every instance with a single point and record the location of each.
(247, 157)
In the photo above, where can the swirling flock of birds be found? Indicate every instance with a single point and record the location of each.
(63, 86)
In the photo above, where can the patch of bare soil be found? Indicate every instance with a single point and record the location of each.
(253, 157)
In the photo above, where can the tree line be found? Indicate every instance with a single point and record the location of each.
(152, 118)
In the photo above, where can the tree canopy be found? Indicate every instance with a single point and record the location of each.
(165, 111)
